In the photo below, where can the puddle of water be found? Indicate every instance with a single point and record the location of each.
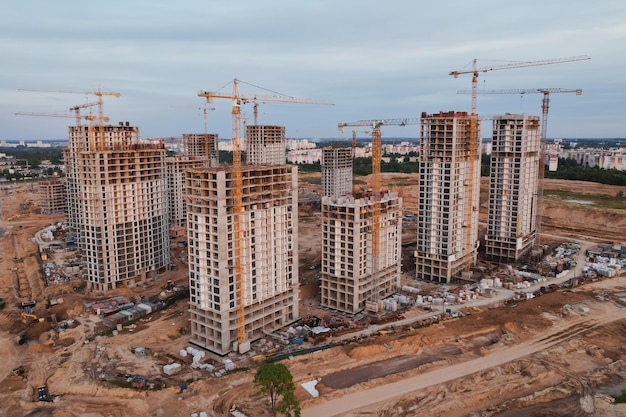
(586, 202)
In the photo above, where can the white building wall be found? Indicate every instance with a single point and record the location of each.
(269, 255)
(347, 278)
(513, 189)
(447, 232)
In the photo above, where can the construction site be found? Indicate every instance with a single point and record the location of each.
(436, 293)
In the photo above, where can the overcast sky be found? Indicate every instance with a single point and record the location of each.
(372, 59)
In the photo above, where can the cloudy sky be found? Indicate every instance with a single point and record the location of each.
(372, 59)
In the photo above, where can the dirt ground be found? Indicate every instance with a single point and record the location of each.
(89, 374)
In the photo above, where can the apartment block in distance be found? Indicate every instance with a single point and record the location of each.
(269, 255)
(202, 145)
(513, 187)
(449, 190)
(176, 167)
(52, 196)
(337, 171)
(117, 205)
(350, 276)
(265, 145)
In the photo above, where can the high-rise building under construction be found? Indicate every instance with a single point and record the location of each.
(336, 171)
(265, 145)
(200, 151)
(353, 277)
(269, 247)
(449, 187)
(513, 187)
(117, 205)
(202, 145)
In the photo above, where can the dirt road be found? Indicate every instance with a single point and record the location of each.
(350, 403)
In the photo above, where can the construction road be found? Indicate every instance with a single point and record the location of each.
(345, 405)
(349, 403)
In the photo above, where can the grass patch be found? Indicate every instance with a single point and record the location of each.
(598, 200)
(311, 180)
(620, 398)
(359, 182)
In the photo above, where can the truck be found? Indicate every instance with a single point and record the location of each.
(42, 394)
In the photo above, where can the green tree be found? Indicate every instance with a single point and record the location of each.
(275, 381)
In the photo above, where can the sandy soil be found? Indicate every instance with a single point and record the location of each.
(87, 373)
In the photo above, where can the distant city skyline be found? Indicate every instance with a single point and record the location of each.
(371, 60)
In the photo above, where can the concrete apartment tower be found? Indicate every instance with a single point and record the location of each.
(176, 167)
(447, 228)
(513, 186)
(349, 277)
(203, 145)
(53, 196)
(200, 151)
(265, 145)
(117, 205)
(269, 258)
(336, 171)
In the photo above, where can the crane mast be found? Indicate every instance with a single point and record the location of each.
(237, 100)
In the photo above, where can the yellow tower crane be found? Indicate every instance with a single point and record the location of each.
(545, 105)
(77, 117)
(205, 111)
(100, 103)
(237, 100)
(475, 140)
(376, 191)
(98, 93)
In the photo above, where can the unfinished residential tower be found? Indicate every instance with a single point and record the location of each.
(53, 196)
(200, 151)
(202, 145)
(265, 145)
(449, 187)
(350, 276)
(337, 171)
(269, 256)
(117, 205)
(513, 187)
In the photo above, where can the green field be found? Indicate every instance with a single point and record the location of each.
(590, 200)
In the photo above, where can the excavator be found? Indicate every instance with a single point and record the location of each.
(20, 372)
(34, 317)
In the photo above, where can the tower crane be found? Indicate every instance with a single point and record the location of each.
(76, 110)
(98, 93)
(545, 105)
(376, 158)
(204, 111)
(257, 99)
(474, 139)
(237, 100)
(354, 132)
(100, 103)
(78, 117)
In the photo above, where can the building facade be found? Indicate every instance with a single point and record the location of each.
(265, 145)
(513, 187)
(269, 258)
(176, 167)
(53, 196)
(336, 171)
(202, 145)
(350, 276)
(117, 205)
(449, 190)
